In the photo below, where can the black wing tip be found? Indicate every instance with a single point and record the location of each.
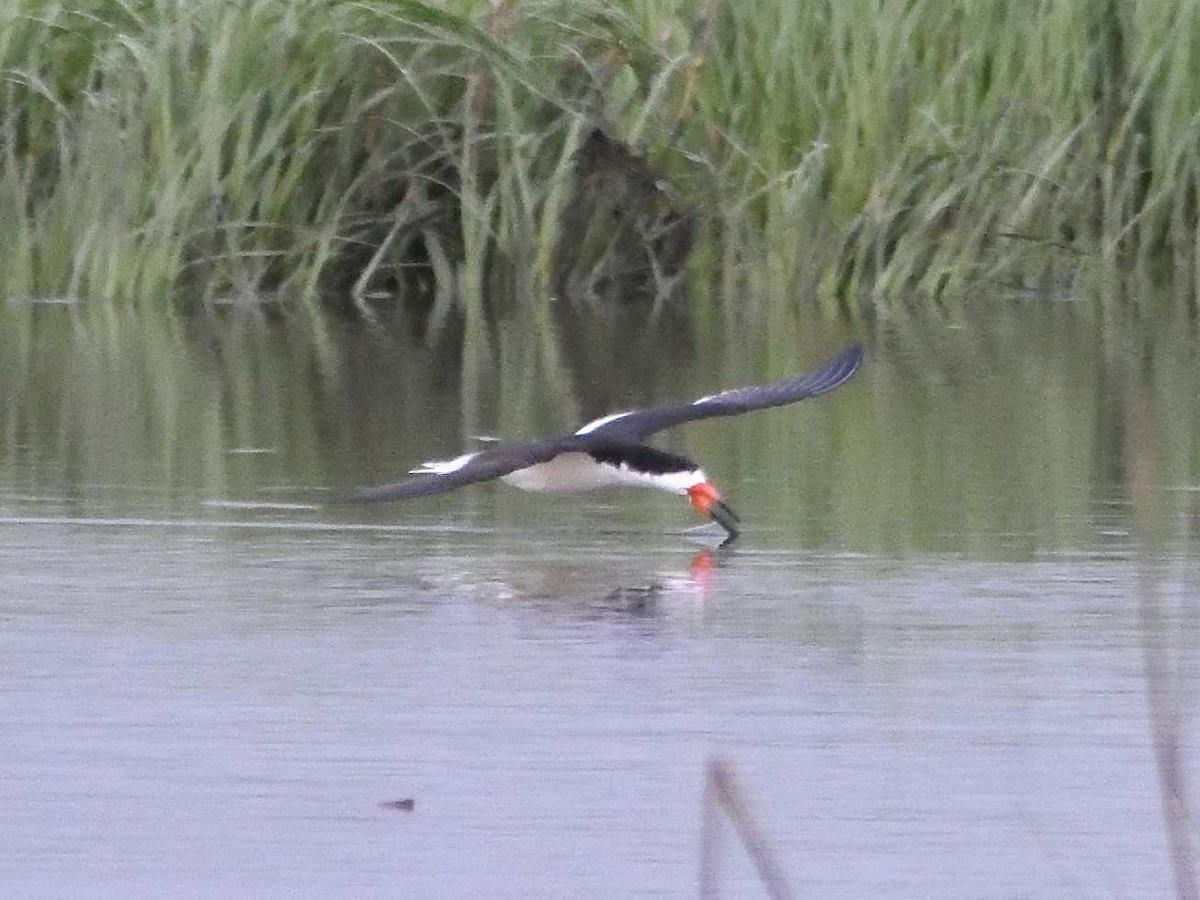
(382, 494)
(851, 358)
(838, 370)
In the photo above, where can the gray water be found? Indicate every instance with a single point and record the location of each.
(212, 691)
(201, 708)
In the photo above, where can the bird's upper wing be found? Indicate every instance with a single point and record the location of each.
(436, 477)
(636, 425)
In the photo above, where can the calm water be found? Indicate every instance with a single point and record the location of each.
(954, 655)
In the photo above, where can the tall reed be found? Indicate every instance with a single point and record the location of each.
(854, 153)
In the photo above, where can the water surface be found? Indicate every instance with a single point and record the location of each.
(954, 655)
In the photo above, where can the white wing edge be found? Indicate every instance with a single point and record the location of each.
(443, 466)
(603, 420)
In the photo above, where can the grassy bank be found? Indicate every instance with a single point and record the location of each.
(847, 153)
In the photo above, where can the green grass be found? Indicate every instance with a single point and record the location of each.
(849, 155)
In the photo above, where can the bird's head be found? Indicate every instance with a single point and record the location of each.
(707, 501)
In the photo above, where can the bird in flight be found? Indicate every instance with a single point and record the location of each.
(609, 452)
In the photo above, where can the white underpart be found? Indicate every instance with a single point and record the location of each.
(443, 466)
(579, 472)
(603, 420)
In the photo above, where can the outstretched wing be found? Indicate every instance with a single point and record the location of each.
(610, 431)
(439, 476)
(637, 425)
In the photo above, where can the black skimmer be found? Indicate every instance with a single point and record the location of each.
(609, 452)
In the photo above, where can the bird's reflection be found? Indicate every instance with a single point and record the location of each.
(602, 587)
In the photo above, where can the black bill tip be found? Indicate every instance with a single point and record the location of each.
(726, 518)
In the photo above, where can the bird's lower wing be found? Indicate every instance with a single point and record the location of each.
(635, 426)
(438, 477)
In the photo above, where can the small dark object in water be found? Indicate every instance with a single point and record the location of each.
(405, 805)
